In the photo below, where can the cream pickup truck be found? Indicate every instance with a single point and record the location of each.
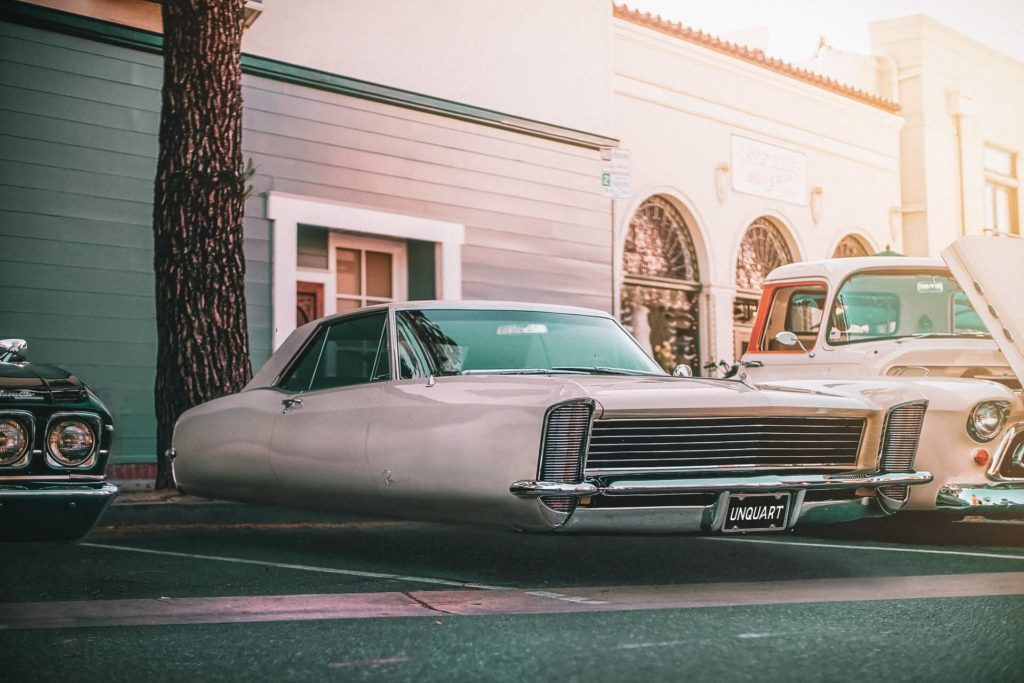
(953, 327)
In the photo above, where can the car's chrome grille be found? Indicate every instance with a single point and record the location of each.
(899, 439)
(565, 439)
(709, 443)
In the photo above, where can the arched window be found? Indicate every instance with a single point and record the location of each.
(763, 249)
(661, 284)
(851, 246)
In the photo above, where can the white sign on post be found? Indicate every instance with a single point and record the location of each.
(614, 172)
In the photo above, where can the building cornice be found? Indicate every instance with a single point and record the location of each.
(125, 36)
(749, 55)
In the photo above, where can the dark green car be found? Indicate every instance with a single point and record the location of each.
(55, 437)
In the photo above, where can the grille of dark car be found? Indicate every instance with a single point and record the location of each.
(565, 439)
(709, 443)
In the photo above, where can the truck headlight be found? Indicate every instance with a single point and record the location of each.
(987, 419)
(13, 441)
(70, 442)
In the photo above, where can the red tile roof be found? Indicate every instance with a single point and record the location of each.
(751, 55)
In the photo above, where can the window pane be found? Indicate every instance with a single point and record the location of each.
(999, 161)
(348, 305)
(300, 375)
(1002, 208)
(349, 276)
(351, 351)
(312, 247)
(794, 309)
(378, 274)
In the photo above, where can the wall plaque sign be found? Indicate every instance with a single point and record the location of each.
(771, 171)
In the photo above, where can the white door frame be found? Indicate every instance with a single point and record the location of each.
(287, 211)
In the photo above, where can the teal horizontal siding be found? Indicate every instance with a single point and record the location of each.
(78, 145)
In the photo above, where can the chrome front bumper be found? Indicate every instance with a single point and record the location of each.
(51, 511)
(783, 482)
(982, 499)
(710, 518)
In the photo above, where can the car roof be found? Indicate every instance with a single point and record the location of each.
(839, 268)
(474, 305)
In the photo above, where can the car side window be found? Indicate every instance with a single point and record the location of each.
(798, 309)
(355, 351)
(300, 375)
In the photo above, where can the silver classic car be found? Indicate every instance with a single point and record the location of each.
(539, 418)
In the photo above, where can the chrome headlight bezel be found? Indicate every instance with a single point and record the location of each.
(56, 459)
(980, 424)
(26, 423)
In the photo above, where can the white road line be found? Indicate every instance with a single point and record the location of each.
(302, 567)
(847, 546)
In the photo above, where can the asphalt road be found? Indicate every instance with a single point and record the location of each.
(180, 591)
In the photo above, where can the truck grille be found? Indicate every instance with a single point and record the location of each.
(709, 443)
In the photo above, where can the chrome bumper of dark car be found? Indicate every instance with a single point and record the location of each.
(982, 499)
(781, 482)
(51, 511)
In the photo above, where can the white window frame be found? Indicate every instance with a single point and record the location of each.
(287, 212)
(328, 277)
(995, 180)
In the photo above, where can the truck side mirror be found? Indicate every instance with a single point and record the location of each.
(787, 338)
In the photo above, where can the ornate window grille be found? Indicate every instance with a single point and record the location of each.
(661, 287)
(851, 246)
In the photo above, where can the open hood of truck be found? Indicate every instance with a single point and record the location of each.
(991, 271)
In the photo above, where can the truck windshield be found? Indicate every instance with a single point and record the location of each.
(890, 305)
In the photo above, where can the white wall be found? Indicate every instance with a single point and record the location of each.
(538, 59)
(944, 75)
(677, 106)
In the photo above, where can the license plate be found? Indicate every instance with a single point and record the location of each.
(756, 512)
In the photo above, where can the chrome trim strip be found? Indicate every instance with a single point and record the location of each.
(105, 490)
(531, 489)
(981, 498)
(780, 482)
(1002, 451)
(632, 471)
(56, 478)
(815, 482)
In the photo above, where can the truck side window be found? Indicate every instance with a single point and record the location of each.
(799, 309)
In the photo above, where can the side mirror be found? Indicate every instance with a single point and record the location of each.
(787, 338)
(682, 371)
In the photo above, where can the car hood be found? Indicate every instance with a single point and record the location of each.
(621, 396)
(988, 269)
(28, 381)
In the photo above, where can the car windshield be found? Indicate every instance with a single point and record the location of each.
(873, 306)
(459, 341)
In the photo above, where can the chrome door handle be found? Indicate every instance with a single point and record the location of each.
(289, 403)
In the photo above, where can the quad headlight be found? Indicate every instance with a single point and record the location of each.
(987, 419)
(71, 442)
(14, 441)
